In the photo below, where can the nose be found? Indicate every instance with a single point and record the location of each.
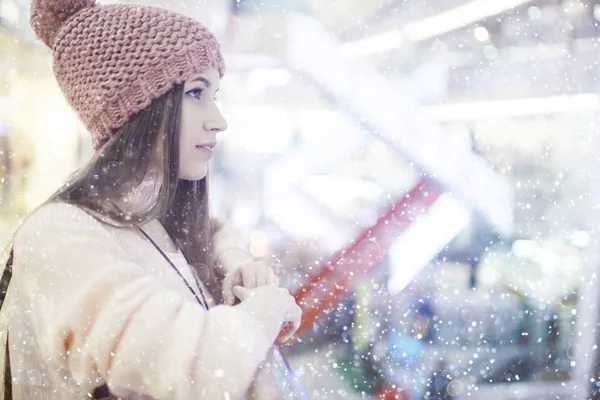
(215, 122)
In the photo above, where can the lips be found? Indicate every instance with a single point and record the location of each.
(206, 149)
(207, 146)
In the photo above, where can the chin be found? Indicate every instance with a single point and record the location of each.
(196, 175)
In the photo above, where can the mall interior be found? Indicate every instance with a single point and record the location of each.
(423, 175)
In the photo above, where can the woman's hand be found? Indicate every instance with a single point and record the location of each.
(250, 275)
(274, 307)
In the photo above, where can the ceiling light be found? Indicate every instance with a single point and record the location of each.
(431, 27)
(469, 111)
(459, 17)
(481, 34)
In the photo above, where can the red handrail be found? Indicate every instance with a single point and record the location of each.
(337, 274)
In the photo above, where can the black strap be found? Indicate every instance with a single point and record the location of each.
(7, 373)
(157, 247)
(6, 276)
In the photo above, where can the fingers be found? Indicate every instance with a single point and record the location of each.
(283, 335)
(241, 292)
(258, 274)
(227, 290)
(275, 279)
(272, 278)
(287, 333)
(249, 277)
(263, 276)
(230, 281)
(293, 325)
(286, 311)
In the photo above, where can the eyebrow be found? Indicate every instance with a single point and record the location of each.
(204, 80)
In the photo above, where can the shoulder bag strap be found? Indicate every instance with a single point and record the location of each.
(6, 275)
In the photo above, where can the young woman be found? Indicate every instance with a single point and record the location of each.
(113, 279)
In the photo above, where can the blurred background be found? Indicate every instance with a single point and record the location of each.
(423, 173)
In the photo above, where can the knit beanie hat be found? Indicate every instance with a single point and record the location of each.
(111, 61)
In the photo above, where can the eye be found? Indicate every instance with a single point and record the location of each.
(195, 93)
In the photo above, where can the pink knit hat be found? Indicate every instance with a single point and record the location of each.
(111, 61)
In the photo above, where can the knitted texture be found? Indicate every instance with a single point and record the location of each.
(111, 61)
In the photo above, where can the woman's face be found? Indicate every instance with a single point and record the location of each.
(201, 120)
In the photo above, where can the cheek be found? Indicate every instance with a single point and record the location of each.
(187, 125)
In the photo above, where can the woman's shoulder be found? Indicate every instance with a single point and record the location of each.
(67, 229)
(58, 215)
(57, 210)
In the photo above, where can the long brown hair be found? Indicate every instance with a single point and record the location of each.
(121, 165)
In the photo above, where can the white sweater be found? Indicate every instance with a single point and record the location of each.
(90, 303)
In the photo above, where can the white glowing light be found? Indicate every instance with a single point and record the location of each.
(481, 34)
(424, 239)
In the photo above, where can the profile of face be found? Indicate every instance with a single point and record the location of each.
(201, 121)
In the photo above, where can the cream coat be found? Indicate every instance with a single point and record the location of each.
(90, 303)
